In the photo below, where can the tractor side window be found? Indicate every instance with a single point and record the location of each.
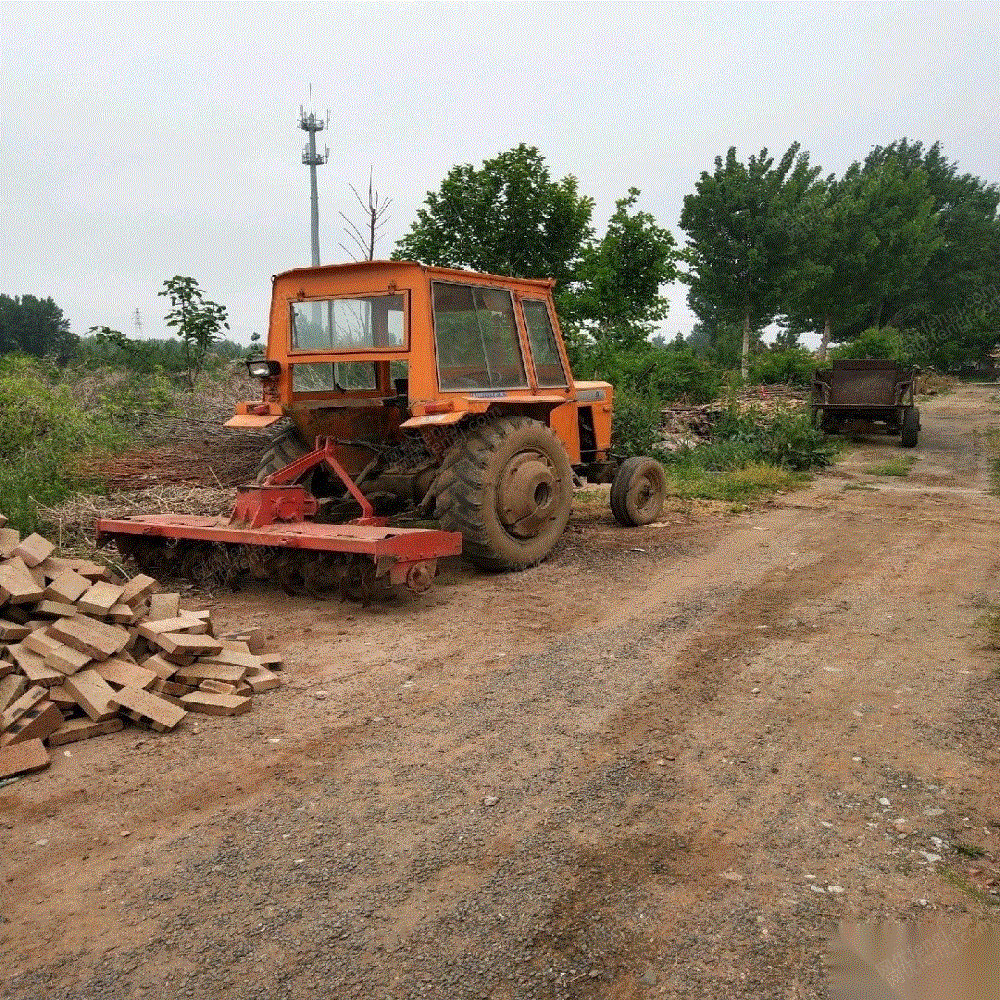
(355, 324)
(542, 338)
(337, 376)
(476, 335)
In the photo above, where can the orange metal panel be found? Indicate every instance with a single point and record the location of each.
(563, 420)
(249, 420)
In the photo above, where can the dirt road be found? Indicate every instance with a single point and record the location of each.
(663, 764)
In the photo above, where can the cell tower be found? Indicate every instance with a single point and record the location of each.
(137, 323)
(312, 159)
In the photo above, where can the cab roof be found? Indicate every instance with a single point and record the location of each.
(408, 267)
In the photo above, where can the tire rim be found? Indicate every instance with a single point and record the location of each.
(645, 493)
(527, 494)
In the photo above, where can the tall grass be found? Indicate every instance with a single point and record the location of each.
(753, 453)
(48, 435)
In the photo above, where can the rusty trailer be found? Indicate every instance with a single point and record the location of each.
(864, 392)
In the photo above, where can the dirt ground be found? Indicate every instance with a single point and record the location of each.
(663, 764)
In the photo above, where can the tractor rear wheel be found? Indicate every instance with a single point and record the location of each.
(285, 449)
(637, 491)
(508, 489)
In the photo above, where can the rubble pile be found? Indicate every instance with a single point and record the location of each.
(81, 655)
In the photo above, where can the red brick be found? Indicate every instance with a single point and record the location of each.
(99, 639)
(202, 670)
(100, 599)
(67, 586)
(66, 660)
(162, 606)
(17, 585)
(120, 673)
(185, 644)
(33, 666)
(83, 729)
(92, 694)
(24, 703)
(148, 706)
(11, 688)
(37, 723)
(22, 758)
(207, 703)
(34, 549)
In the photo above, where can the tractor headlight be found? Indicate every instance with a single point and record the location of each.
(262, 368)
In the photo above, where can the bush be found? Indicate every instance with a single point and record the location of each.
(793, 366)
(876, 342)
(636, 423)
(670, 373)
(46, 437)
(784, 438)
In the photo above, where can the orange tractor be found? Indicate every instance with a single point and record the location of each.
(415, 394)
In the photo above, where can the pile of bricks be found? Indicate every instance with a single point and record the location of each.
(80, 655)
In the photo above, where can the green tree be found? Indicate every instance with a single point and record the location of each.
(956, 316)
(34, 326)
(863, 243)
(834, 237)
(899, 207)
(740, 223)
(621, 276)
(506, 217)
(198, 321)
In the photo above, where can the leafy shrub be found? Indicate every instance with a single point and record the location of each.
(636, 422)
(792, 366)
(46, 437)
(785, 438)
(876, 342)
(671, 373)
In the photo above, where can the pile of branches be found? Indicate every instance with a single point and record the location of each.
(73, 520)
(686, 426)
(189, 444)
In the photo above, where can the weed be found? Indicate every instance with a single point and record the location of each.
(741, 485)
(992, 443)
(892, 467)
(967, 850)
(962, 884)
(991, 624)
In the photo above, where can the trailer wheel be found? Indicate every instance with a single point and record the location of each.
(508, 488)
(911, 427)
(637, 491)
(285, 449)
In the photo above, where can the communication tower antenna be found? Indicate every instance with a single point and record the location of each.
(311, 123)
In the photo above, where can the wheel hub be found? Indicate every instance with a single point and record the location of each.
(526, 493)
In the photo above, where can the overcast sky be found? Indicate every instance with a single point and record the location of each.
(143, 141)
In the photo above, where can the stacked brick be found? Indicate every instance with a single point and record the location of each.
(81, 655)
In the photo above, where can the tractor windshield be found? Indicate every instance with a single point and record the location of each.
(349, 324)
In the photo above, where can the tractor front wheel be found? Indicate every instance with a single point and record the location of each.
(508, 489)
(637, 491)
(285, 449)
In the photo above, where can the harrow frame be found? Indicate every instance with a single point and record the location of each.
(276, 514)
